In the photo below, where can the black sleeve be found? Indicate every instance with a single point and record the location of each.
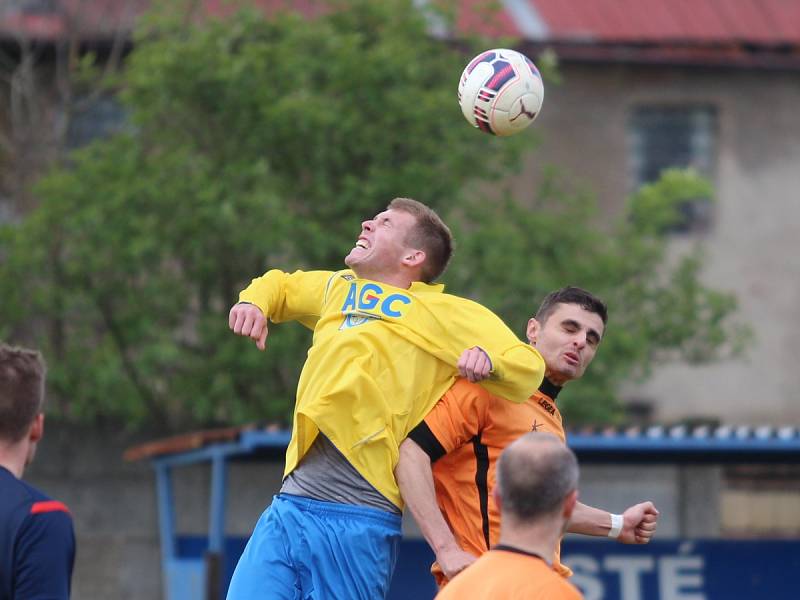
(424, 438)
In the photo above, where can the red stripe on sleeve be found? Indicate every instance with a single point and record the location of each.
(48, 506)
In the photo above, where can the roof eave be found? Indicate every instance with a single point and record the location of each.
(727, 55)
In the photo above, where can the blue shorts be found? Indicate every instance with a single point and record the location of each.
(304, 549)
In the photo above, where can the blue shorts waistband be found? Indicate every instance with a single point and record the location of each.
(352, 510)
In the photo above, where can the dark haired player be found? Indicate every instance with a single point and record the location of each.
(451, 456)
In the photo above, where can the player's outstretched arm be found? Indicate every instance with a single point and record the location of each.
(635, 526)
(247, 319)
(281, 297)
(504, 365)
(415, 478)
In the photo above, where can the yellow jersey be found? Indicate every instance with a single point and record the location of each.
(380, 359)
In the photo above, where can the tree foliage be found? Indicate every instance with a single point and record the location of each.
(259, 143)
(513, 254)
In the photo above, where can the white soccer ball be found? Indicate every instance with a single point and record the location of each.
(500, 91)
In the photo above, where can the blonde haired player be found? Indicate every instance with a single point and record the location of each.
(387, 344)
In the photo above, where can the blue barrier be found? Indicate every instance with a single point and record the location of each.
(661, 570)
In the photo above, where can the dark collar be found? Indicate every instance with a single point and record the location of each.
(549, 389)
(508, 548)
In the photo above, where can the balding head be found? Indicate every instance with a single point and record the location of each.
(535, 475)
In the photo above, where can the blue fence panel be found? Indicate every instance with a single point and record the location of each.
(412, 575)
(604, 570)
(185, 579)
(195, 547)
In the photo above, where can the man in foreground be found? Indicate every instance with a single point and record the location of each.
(536, 492)
(37, 542)
(451, 456)
(387, 344)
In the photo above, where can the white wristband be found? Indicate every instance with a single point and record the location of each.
(616, 526)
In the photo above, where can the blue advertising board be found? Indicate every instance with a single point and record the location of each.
(688, 570)
(603, 570)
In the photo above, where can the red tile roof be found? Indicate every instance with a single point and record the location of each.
(691, 21)
(739, 33)
(736, 32)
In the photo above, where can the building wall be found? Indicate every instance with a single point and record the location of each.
(751, 247)
(113, 508)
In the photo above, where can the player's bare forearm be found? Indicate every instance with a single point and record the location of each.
(638, 522)
(588, 520)
(415, 478)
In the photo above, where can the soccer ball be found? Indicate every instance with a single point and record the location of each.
(500, 92)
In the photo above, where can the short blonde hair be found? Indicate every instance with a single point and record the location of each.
(430, 234)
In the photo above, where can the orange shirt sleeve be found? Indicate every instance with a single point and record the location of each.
(454, 420)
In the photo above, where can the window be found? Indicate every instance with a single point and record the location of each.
(6, 216)
(102, 117)
(761, 501)
(661, 137)
(30, 7)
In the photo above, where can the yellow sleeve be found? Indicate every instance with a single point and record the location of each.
(516, 373)
(517, 367)
(298, 296)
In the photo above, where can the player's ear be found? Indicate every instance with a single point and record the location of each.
(414, 258)
(569, 504)
(533, 330)
(37, 428)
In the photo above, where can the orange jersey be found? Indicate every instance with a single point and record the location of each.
(509, 574)
(464, 434)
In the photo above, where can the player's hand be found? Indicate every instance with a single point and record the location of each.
(248, 320)
(474, 364)
(639, 523)
(453, 561)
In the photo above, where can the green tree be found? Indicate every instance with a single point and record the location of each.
(253, 143)
(262, 143)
